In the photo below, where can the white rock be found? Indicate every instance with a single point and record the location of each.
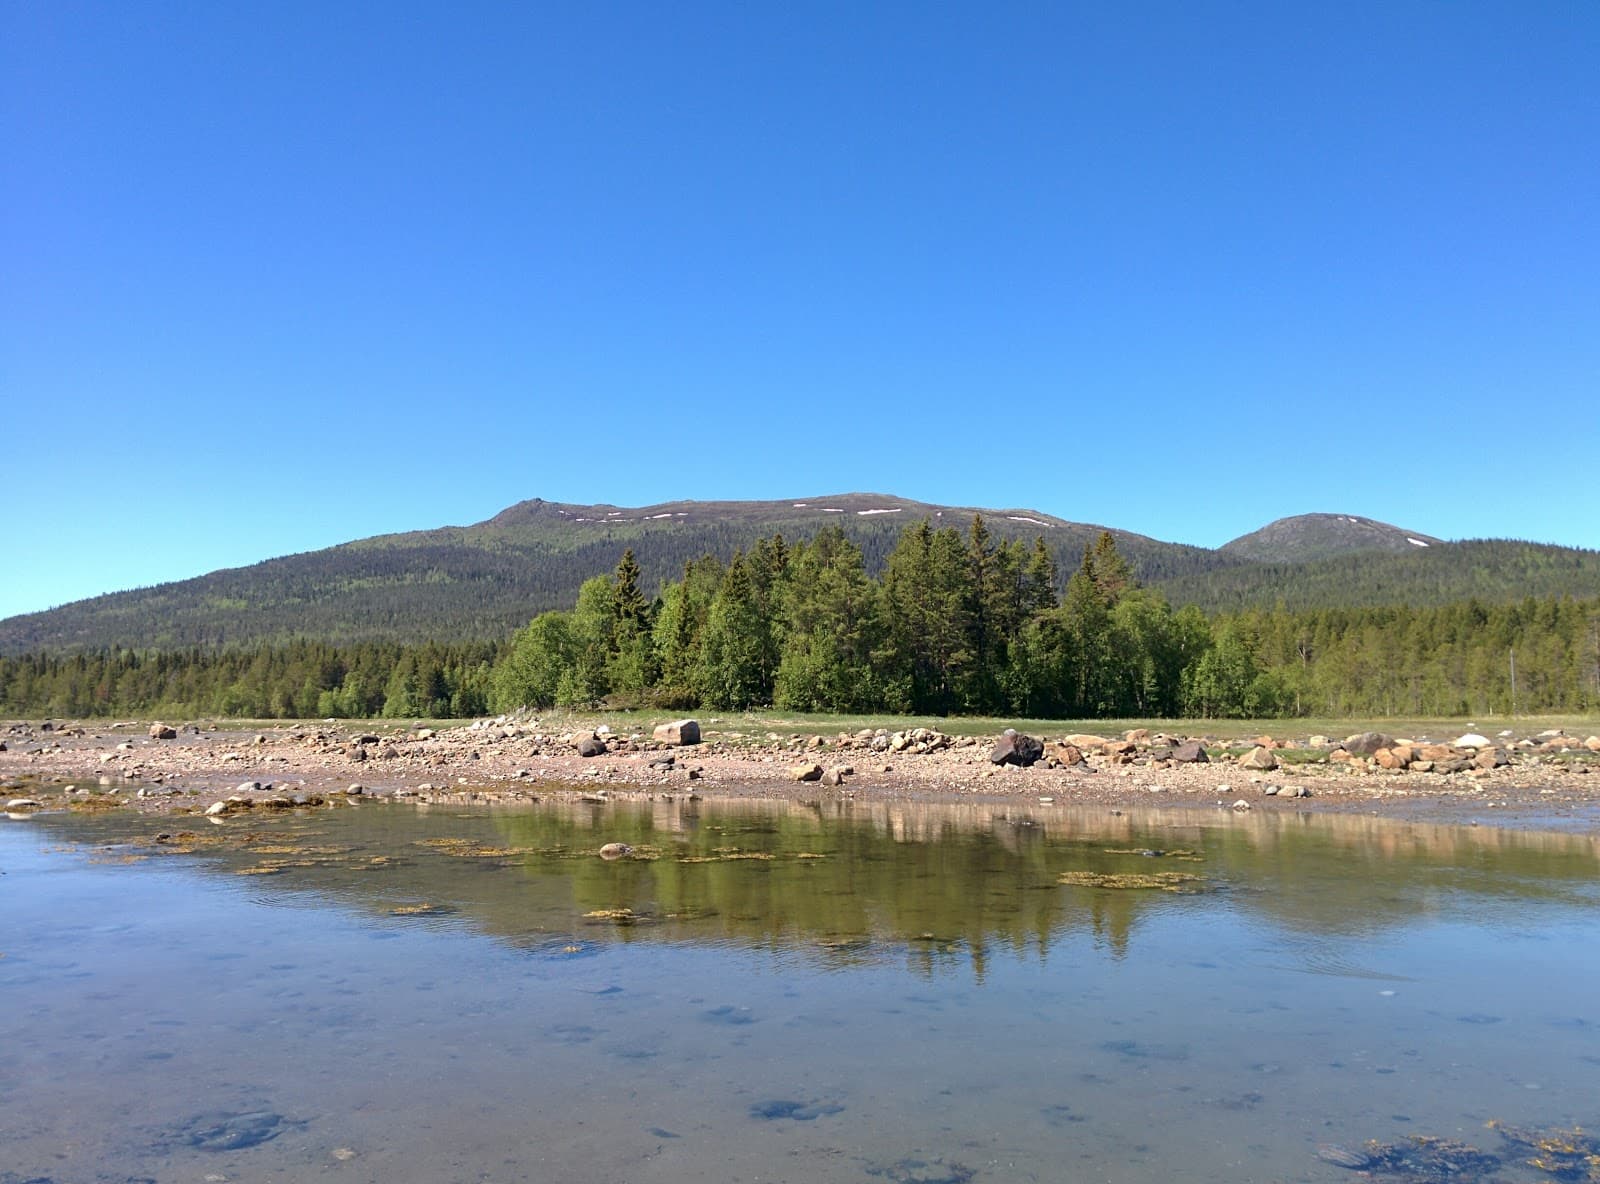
(1241, 804)
(1471, 740)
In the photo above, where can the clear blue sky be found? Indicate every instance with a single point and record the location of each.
(278, 275)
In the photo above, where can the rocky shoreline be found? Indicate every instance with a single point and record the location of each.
(1548, 780)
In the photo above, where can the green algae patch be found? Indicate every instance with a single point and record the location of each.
(1137, 881)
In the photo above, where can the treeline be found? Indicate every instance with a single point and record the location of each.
(299, 680)
(962, 624)
(956, 623)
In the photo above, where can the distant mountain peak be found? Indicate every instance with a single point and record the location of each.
(1306, 537)
(819, 508)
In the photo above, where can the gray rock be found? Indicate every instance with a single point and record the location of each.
(1015, 748)
(682, 731)
(591, 746)
(1368, 743)
(1190, 752)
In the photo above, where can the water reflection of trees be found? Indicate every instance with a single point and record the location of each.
(933, 886)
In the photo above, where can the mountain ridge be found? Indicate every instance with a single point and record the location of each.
(483, 581)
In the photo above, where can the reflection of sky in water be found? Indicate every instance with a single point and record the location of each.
(923, 1004)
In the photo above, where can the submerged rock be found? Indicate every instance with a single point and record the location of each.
(222, 1130)
(799, 1111)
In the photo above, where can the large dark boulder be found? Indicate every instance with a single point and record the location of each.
(591, 746)
(1013, 748)
(1190, 752)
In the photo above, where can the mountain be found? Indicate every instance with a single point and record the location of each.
(1492, 571)
(1308, 537)
(485, 581)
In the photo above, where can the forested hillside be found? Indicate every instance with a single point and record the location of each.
(957, 622)
(482, 582)
(1494, 571)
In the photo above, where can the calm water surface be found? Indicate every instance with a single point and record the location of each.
(776, 992)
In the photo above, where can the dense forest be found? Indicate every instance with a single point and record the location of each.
(954, 623)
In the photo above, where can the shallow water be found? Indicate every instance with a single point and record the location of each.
(772, 991)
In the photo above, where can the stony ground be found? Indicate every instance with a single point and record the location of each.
(1533, 781)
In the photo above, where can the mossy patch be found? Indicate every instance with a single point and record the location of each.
(1146, 881)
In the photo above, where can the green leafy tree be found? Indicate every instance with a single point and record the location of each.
(735, 645)
(530, 673)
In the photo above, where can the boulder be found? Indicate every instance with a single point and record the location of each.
(163, 732)
(1259, 758)
(680, 731)
(591, 746)
(1397, 757)
(1592, 743)
(1082, 740)
(1069, 755)
(1136, 735)
(1014, 748)
(1318, 742)
(1190, 752)
(1368, 743)
(24, 804)
(812, 772)
(615, 851)
(1491, 758)
(1472, 740)
(1434, 752)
